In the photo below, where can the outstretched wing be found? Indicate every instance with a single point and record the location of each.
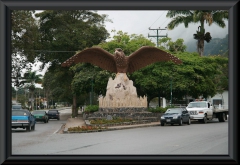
(147, 55)
(95, 56)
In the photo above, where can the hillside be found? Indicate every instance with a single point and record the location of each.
(217, 46)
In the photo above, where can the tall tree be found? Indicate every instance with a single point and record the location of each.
(63, 33)
(192, 16)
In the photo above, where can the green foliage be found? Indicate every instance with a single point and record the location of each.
(66, 31)
(129, 43)
(113, 121)
(166, 43)
(195, 77)
(91, 108)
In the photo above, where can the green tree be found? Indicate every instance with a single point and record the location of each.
(62, 34)
(192, 16)
(166, 43)
(195, 77)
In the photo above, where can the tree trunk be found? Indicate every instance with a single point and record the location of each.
(74, 106)
(200, 47)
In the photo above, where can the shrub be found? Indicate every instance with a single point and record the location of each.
(91, 108)
(105, 121)
(85, 128)
(159, 109)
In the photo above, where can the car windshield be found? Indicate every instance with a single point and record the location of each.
(197, 104)
(16, 107)
(19, 113)
(52, 111)
(38, 112)
(173, 111)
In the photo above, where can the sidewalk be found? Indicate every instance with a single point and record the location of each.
(79, 121)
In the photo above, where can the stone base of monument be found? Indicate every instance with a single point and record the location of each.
(135, 113)
(121, 101)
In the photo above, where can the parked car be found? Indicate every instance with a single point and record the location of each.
(23, 118)
(53, 114)
(40, 115)
(175, 116)
(16, 106)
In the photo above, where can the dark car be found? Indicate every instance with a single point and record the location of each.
(40, 116)
(175, 116)
(16, 106)
(53, 114)
(22, 118)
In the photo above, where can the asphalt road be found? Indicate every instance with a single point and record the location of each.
(194, 139)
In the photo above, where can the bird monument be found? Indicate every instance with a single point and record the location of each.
(121, 95)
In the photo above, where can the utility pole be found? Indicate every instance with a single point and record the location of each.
(158, 36)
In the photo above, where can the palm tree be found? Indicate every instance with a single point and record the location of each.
(32, 78)
(193, 16)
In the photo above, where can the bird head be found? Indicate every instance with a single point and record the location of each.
(118, 51)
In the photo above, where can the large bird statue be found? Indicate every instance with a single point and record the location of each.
(118, 62)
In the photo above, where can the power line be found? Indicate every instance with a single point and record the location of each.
(153, 22)
(158, 18)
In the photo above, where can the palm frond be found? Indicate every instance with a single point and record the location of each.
(173, 13)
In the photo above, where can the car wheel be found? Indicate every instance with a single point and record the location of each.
(28, 128)
(205, 119)
(222, 117)
(162, 124)
(58, 119)
(189, 121)
(33, 127)
(180, 122)
(45, 121)
(172, 124)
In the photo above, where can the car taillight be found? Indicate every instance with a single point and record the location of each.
(200, 112)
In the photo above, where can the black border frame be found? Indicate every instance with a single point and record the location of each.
(5, 80)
